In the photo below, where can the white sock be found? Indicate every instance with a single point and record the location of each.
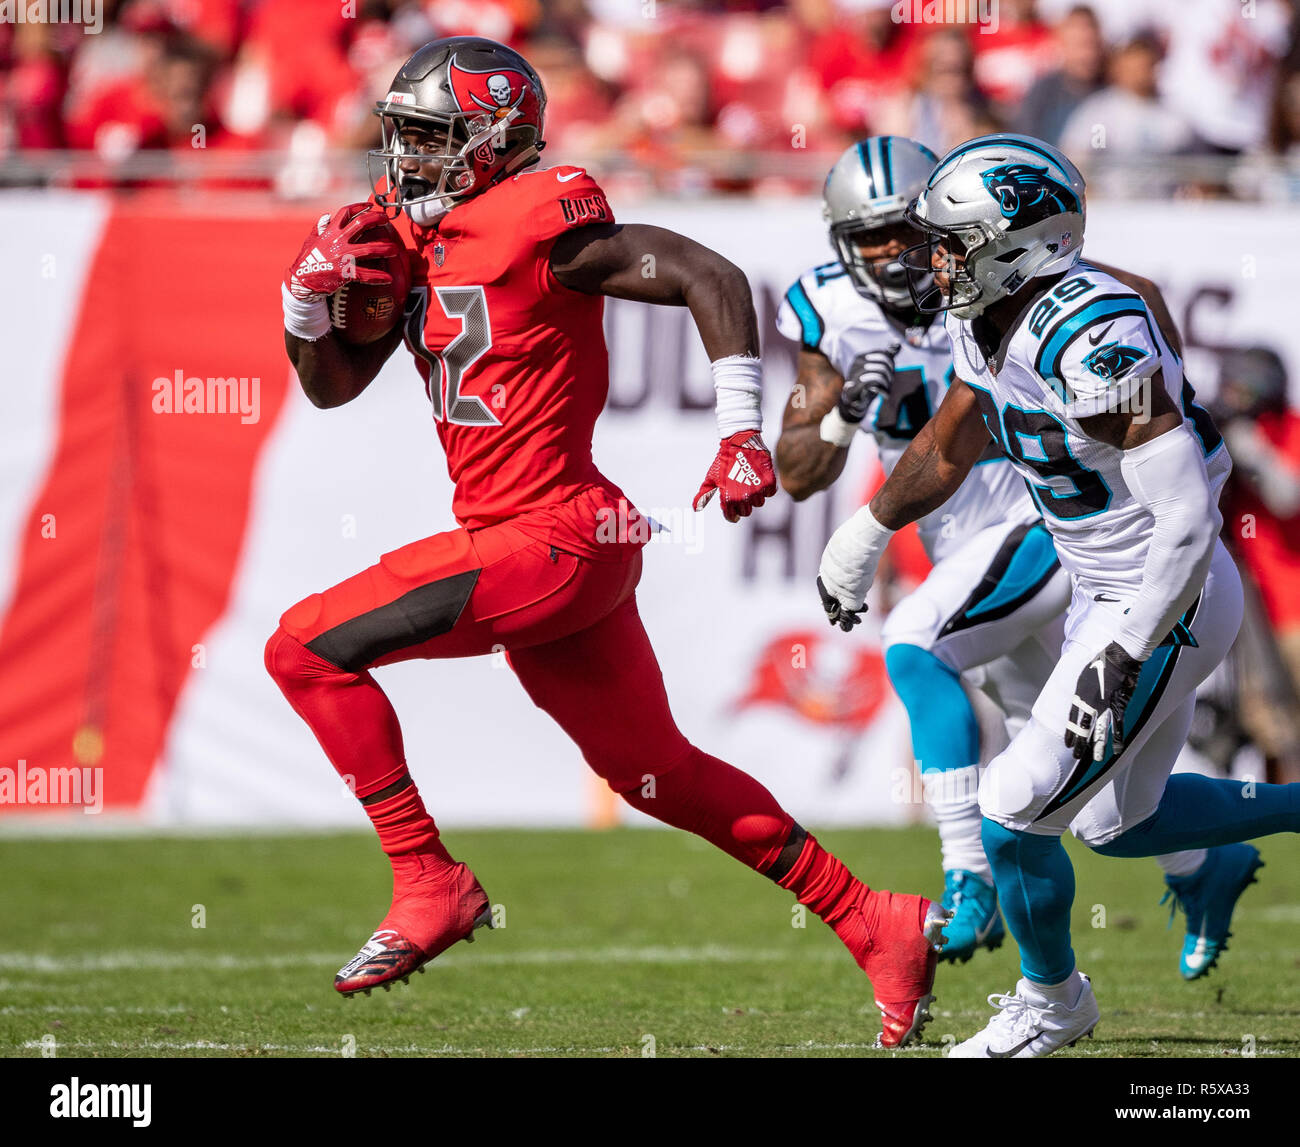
(953, 794)
(1067, 992)
(1183, 863)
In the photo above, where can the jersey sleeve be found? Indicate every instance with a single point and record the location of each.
(799, 320)
(1097, 359)
(564, 199)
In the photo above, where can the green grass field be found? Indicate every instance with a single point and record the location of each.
(615, 943)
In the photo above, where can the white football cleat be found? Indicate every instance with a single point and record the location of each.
(1028, 1025)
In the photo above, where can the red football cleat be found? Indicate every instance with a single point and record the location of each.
(456, 905)
(896, 940)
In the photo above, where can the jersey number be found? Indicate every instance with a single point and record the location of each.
(906, 408)
(447, 367)
(1050, 305)
(1037, 440)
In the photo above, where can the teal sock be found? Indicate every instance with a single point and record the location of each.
(1202, 812)
(1035, 882)
(945, 732)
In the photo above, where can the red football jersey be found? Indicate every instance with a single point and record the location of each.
(514, 363)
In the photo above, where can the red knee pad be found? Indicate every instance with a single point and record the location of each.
(290, 662)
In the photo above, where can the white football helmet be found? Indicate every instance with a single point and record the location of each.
(1009, 208)
(869, 188)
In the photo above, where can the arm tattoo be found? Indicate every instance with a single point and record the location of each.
(936, 463)
(920, 483)
(806, 463)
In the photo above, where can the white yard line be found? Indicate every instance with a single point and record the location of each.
(98, 1010)
(154, 959)
(407, 1049)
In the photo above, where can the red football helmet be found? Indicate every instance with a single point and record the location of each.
(470, 111)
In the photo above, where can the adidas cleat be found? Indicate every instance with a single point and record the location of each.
(901, 957)
(976, 922)
(1029, 1026)
(1208, 898)
(390, 956)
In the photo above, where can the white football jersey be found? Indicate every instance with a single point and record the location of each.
(823, 312)
(1081, 346)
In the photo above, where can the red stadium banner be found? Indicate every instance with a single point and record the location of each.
(171, 383)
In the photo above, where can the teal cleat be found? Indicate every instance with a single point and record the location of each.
(1208, 898)
(976, 922)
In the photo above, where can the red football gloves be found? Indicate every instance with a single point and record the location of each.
(742, 472)
(328, 258)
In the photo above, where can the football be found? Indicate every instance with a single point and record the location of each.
(365, 312)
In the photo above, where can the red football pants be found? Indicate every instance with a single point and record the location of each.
(573, 637)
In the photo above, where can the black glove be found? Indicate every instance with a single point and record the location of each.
(1102, 694)
(837, 613)
(872, 373)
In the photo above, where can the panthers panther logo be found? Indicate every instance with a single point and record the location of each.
(1027, 194)
(1113, 360)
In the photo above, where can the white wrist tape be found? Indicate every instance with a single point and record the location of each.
(738, 380)
(836, 430)
(309, 320)
(848, 565)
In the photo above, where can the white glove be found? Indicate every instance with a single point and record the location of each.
(848, 567)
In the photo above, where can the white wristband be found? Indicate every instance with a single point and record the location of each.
(836, 430)
(738, 380)
(307, 320)
(848, 565)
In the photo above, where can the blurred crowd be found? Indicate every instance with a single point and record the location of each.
(1149, 96)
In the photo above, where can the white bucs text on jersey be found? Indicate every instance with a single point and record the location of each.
(1082, 345)
(823, 312)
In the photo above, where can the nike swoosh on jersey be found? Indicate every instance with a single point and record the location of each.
(566, 178)
(1104, 597)
(1095, 341)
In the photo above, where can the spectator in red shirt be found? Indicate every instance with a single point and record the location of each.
(1262, 516)
(861, 60)
(32, 94)
(1009, 59)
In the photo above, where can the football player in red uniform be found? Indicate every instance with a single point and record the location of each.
(509, 268)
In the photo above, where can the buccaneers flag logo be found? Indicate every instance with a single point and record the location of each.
(827, 683)
(497, 92)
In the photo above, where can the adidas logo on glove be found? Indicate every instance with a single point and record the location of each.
(315, 262)
(744, 473)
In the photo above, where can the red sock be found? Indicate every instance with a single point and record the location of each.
(435, 899)
(404, 826)
(821, 881)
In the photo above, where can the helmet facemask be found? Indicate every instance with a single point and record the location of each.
(883, 280)
(469, 152)
(963, 294)
(982, 262)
